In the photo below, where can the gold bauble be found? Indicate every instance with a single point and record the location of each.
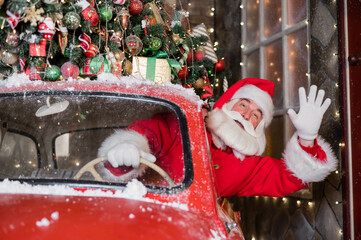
(199, 83)
(9, 58)
(1, 2)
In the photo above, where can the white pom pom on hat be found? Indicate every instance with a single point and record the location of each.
(260, 91)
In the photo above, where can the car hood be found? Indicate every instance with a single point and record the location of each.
(34, 216)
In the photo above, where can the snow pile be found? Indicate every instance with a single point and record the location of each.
(134, 190)
(18, 79)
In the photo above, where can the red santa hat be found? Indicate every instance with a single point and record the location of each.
(260, 91)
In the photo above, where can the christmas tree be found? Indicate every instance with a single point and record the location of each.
(55, 40)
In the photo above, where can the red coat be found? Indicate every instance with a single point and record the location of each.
(255, 175)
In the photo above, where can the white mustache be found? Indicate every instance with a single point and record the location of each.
(248, 127)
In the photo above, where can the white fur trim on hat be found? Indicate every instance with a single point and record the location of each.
(307, 167)
(259, 97)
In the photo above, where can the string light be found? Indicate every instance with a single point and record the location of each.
(298, 203)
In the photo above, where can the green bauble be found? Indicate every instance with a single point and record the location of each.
(155, 43)
(71, 20)
(52, 73)
(106, 14)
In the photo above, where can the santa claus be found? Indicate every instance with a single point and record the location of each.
(236, 133)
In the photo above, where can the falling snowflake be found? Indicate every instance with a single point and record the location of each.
(33, 15)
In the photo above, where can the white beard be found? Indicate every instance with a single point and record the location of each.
(226, 132)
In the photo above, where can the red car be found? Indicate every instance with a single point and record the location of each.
(51, 186)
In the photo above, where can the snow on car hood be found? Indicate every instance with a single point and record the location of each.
(57, 212)
(134, 190)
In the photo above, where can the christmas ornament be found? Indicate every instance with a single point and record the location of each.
(33, 15)
(35, 73)
(115, 66)
(104, 33)
(117, 37)
(133, 45)
(119, 55)
(119, 2)
(1, 2)
(135, 7)
(52, 73)
(225, 84)
(90, 14)
(155, 43)
(92, 50)
(12, 19)
(12, 38)
(106, 13)
(9, 57)
(183, 73)
(63, 38)
(124, 18)
(199, 83)
(84, 40)
(219, 66)
(38, 49)
(47, 28)
(199, 55)
(201, 30)
(71, 20)
(69, 70)
(22, 62)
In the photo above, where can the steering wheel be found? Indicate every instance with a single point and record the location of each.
(89, 167)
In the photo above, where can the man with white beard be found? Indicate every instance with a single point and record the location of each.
(236, 133)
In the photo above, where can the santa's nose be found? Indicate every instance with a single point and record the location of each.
(246, 115)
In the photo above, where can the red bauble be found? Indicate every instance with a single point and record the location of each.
(90, 14)
(135, 7)
(183, 73)
(69, 70)
(199, 56)
(92, 51)
(219, 66)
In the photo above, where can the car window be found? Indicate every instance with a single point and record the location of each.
(60, 132)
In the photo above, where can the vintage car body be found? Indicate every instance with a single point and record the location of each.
(42, 202)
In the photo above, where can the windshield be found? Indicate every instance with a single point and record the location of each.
(52, 135)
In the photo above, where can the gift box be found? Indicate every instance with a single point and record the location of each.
(38, 49)
(94, 66)
(154, 69)
(35, 73)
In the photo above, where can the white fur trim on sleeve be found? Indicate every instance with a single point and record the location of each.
(124, 136)
(307, 167)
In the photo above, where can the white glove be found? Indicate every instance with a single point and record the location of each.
(128, 155)
(309, 118)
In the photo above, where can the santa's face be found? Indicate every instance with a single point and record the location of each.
(244, 133)
(249, 111)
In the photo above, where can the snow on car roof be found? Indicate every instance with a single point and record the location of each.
(21, 81)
